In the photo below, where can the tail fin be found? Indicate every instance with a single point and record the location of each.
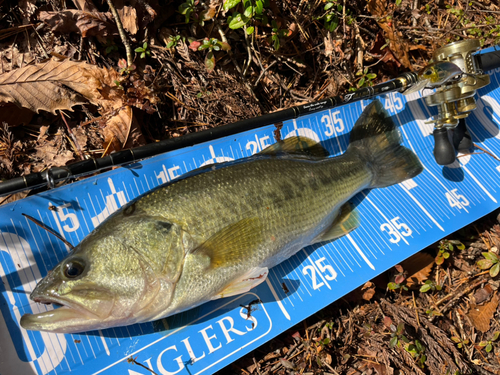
(376, 139)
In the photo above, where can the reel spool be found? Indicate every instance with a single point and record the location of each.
(455, 99)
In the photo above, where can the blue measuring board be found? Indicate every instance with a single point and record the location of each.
(396, 222)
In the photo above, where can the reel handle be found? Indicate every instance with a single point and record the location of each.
(444, 152)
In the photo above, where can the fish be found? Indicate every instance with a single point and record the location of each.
(218, 231)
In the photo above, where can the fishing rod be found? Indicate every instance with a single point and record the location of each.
(453, 96)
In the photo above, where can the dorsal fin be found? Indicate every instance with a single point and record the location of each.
(296, 145)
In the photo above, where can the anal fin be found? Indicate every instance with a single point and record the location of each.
(346, 221)
(243, 284)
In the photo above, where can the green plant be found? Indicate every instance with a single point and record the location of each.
(460, 343)
(489, 343)
(173, 41)
(331, 19)
(429, 285)
(396, 332)
(144, 51)
(212, 44)
(277, 34)
(417, 351)
(110, 47)
(432, 313)
(190, 11)
(124, 68)
(252, 10)
(398, 280)
(491, 261)
(444, 249)
(366, 78)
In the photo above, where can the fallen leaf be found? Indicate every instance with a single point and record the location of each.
(419, 267)
(51, 150)
(481, 316)
(52, 86)
(483, 294)
(85, 5)
(122, 131)
(128, 16)
(397, 44)
(78, 21)
(369, 289)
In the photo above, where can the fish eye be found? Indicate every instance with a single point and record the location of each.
(73, 268)
(428, 72)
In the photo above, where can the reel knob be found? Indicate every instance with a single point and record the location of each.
(444, 152)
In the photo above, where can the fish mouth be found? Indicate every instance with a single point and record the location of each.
(67, 317)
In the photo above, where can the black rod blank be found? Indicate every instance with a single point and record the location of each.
(56, 174)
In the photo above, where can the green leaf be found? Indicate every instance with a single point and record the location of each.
(446, 255)
(183, 8)
(491, 256)
(483, 343)
(331, 23)
(494, 270)
(484, 264)
(371, 76)
(450, 246)
(456, 339)
(425, 288)
(495, 336)
(403, 338)
(210, 62)
(250, 30)
(489, 347)
(361, 82)
(461, 246)
(170, 44)
(248, 11)
(237, 21)
(392, 286)
(393, 342)
(329, 5)
(145, 45)
(230, 4)
(259, 7)
(439, 260)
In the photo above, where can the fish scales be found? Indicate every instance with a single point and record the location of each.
(216, 232)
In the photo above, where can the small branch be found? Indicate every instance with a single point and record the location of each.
(119, 25)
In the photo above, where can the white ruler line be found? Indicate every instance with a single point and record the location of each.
(360, 252)
(276, 297)
(317, 270)
(104, 343)
(385, 217)
(479, 183)
(421, 207)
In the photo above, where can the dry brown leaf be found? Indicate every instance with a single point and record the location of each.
(85, 5)
(397, 44)
(418, 268)
(481, 316)
(122, 131)
(51, 150)
(78, 21)
(128, 16)
(55, 85)
(483, 294)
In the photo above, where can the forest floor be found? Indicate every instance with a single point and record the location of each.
(74, 85)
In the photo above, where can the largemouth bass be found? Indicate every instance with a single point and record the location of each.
(217, 233)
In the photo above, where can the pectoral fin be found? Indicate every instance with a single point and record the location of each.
(233, 243)
(243, 284)
(296, 145)
(346, 221)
